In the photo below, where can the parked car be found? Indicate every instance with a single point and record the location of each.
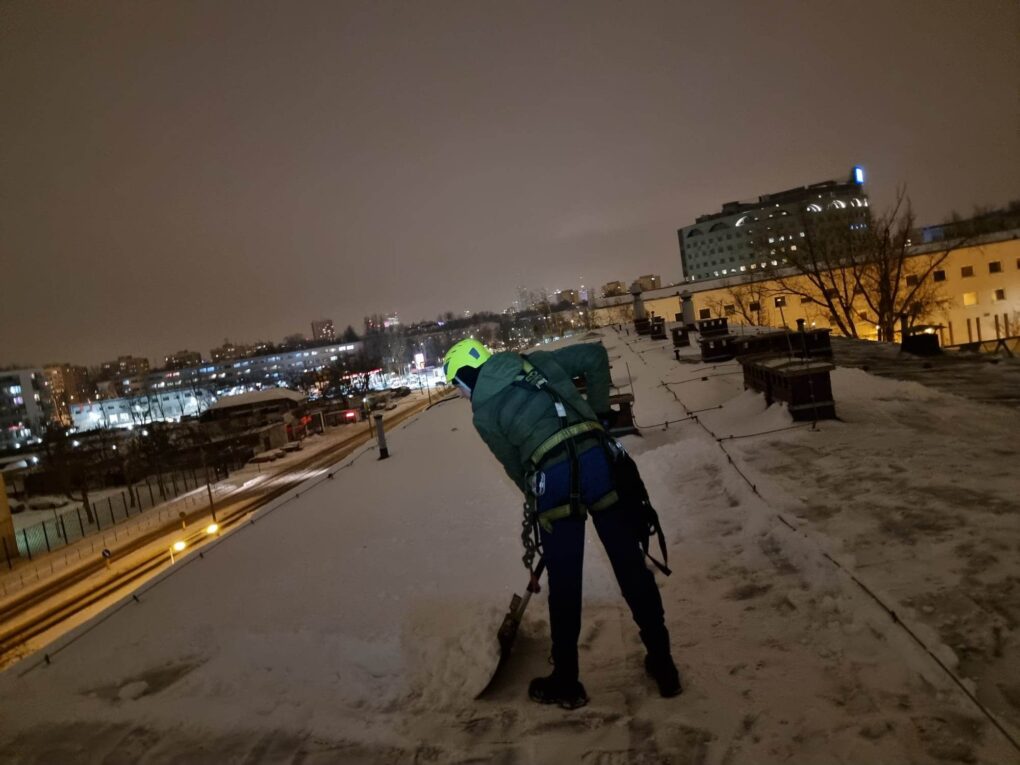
(16, 505)
(47, 503)
(348, 415)
(401, 391)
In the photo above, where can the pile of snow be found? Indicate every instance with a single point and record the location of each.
(356, 623)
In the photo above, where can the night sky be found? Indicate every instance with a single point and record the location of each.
(175, 173)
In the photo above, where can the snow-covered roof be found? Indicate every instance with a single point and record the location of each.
(258, 397)
(358, 620)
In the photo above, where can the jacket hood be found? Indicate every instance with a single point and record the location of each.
(496, 373)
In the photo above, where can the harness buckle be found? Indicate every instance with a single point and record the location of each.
(536, 482)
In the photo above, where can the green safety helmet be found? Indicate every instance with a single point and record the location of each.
(466, 353)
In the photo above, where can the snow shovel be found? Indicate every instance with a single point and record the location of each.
(512, 621)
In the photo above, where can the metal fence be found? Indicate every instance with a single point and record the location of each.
(72, 525)
(82, 549)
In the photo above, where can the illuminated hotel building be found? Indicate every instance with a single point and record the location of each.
(752, 236)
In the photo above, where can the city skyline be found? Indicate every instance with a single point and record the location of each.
(179, 174)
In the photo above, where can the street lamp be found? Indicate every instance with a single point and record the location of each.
(177, 546)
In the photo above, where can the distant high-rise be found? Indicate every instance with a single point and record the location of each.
(229, 351)
(69, 384)
(752, 236)
(122, 376)
(646, 282)
(323, 331)
(182, 359)
(124, 366)
(612, 289)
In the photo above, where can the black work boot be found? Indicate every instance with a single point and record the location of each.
(662, 669)
(569, 694)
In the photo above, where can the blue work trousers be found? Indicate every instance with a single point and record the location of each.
(564, 557)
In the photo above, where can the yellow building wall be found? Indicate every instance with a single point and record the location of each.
(988, 317)
(982, 306)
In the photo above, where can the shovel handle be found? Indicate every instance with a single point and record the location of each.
(533, 584)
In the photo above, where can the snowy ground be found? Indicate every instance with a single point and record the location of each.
(355, 624)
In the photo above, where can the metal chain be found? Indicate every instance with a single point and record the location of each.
(530, 537)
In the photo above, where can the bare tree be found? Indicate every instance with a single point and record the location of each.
(395, 350)
(861, 268)
(819, 263)
(73, 463)
(895, 283)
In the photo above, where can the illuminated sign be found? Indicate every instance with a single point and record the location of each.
(858, 174)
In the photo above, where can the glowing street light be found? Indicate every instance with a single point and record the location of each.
(177, 546)
(212, 528)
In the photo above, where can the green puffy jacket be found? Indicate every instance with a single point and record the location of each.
(514, 420)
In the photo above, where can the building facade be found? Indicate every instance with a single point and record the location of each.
(69, 384)
(124, 366)
(182, 359)
(612, 289)
(323, 331)
(132, 411)
(229, 351)
(756, 236)
(118, 378)
(230, 376)
(645, 283)
(25, 407)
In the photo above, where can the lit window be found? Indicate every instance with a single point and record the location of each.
(970, 298)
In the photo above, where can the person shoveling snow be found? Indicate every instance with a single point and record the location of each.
(553, 445)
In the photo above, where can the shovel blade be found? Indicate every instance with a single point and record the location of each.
(506, 635)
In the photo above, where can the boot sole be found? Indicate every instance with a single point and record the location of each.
(559, 702)
(673, 695)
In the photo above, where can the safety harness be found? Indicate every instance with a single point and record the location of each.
(532, 378)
